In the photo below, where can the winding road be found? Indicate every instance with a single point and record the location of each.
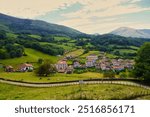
(128, 83)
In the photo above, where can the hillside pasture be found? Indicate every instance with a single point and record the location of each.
(58, 77)
(76, 92)
(32, 56)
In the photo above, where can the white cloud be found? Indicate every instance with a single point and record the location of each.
(105, 8)
(31, 8)
(105, 11)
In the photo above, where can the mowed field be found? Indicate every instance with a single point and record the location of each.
(58, 77)
(90, 92)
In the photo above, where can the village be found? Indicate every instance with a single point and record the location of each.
(102, 63)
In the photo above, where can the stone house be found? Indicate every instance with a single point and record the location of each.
(76, 64)
(61, 66)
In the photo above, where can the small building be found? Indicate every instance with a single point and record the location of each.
(92, 57)
(76, 64)
(69, 70)
(9, 69)
(98, 65)
(105, 67)
(26, 67)
(61, 66)
(118, 68)
(90, 63)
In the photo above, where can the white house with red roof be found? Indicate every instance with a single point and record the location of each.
(25, 67)
(61, 66)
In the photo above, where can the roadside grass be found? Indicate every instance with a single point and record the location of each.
(58, 77)
(75, 92)
(32, 56)
(143, 98)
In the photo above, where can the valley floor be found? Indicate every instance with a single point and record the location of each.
(90, 92)
(59, 77)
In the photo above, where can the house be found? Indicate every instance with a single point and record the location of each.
(69, 70)
(98, 65)
(92, 57)
(91, 60)
(26, 67)
(90, 63)
(61, 66)
(129, 64)
(9, 69)
(118, 68)
(76, 64)
(105, 67)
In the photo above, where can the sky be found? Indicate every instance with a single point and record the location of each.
(88, 16)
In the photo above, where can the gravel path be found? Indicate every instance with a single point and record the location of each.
(73, 83)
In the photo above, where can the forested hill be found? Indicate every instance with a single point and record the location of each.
(18, 34)
(17, 25)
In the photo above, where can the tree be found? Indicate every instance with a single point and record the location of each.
(46, 69)
(40, 60)
(2, 34)
(123, 75)
(142, 65)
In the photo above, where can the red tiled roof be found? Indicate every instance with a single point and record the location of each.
(62, 62)
(26, 65)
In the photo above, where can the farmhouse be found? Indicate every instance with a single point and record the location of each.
(9, 69)
(105, 66)
(69, 70)
(26, 67)
(76, 64)
(61, 66)
(90, 63)
(92, 57)
(91, 60)
(118, 68)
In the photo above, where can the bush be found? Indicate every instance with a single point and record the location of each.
(109, 74)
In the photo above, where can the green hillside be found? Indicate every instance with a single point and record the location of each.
(9, 23)
(32, 56)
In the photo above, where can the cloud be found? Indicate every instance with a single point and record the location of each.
(93, 17)
(105, 8)
(31, 8)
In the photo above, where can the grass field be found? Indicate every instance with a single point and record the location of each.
(126, 51)
(102, 91)
(89, 53)
(76, 53)
(31, 77)
(32, 56)
(111, 55)
(64, 46)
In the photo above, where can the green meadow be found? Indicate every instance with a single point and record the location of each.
(58, 77)
(32, 56)
(76, 92)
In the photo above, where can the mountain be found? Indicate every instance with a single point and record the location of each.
(130, 32)
(146, 30)
(18, 25)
